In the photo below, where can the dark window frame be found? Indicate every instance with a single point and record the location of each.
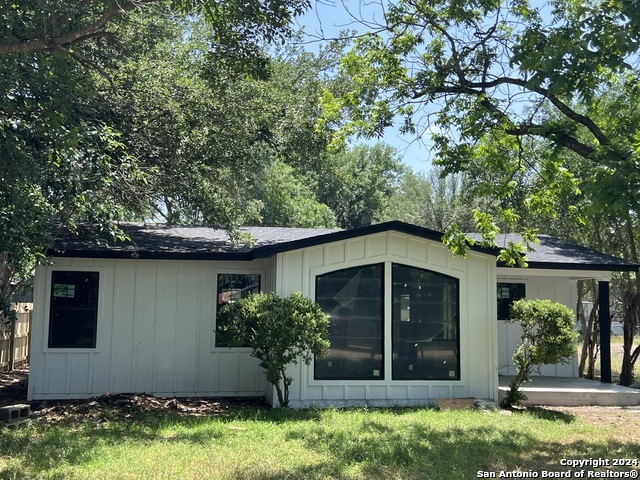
(372, 378)
(500, 310)
(456, 283)
(217, 342)
(390, 352)
(85, 305)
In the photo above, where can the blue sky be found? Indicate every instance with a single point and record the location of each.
(327, 20)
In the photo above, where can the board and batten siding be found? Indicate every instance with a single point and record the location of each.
(297, 271)
(155, 333)
(561, 289)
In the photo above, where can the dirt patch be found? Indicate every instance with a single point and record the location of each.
(13, 390)
(13, 386)
(125, 406)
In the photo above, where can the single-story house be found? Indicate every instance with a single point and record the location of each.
(410, 322)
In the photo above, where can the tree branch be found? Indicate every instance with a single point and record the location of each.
(90, 31)
(558, 137)
(563, 107)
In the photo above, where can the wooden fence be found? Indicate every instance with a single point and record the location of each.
(14, 343)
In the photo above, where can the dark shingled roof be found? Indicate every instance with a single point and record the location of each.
(213, 243)
(554, 253)
(156, 240)
(160, 241)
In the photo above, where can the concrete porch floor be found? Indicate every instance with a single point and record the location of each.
(573, 392)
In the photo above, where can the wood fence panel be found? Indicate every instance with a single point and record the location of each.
(20, 339)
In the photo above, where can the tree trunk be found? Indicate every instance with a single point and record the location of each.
(590, 348)
(583, 327)
(280, 396)
(631, 314)
(630, 354)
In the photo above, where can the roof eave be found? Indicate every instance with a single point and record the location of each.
(145, 255)
(599, 267)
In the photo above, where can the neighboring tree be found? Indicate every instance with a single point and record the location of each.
(357, 183)
(289, 200)
(558, 82)
(465, 71)
(240, 27)
(433, 200)
(280, 332)
(549, 335)
(200, 133)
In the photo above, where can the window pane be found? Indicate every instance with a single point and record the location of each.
(507, 294)
(74, 310)
(425, 325)
(233, 287)
(353, 300)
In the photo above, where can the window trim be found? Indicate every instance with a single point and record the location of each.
(99, 316)
(214, 320)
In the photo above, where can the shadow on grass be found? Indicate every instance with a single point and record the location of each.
(374, 447)
(551, 415)
(422, 452)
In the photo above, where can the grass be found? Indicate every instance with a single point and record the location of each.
(254, 443)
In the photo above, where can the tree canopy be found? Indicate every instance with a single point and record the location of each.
(66, 153)
(158, 116)
(468, 74)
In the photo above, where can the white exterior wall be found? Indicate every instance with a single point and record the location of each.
(155, 333)
(297, 271)
(555, 286)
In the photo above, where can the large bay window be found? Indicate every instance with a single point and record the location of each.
(424, 324)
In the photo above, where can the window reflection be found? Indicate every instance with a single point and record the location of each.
(425, 325)
(353, 300)
(231, 288)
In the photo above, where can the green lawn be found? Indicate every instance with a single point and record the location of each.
(254, 443)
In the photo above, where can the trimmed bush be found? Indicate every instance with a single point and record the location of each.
(280, 331)
(549, 336)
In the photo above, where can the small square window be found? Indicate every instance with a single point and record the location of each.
(507, 294)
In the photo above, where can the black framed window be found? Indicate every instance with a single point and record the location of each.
(425, 325)
(73, 316)
(507, 294)
(353, 299)
(233, 287)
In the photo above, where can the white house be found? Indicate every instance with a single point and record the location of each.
(410, 323)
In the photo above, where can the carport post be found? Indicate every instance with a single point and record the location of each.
(605, 332)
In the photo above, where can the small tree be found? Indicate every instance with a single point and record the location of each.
(279, 331)
(549, 335)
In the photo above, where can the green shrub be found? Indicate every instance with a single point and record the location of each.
(279, 332)
(549, 336)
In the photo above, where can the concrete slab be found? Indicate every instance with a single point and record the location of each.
(572, 392)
